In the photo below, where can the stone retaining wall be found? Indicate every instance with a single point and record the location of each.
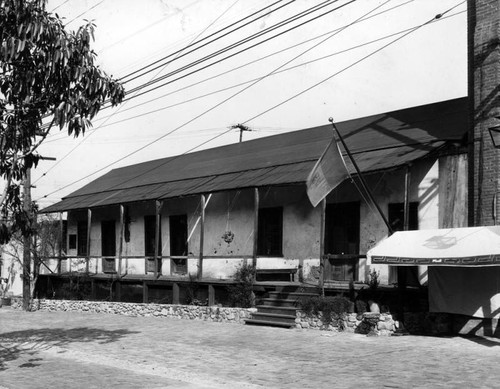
(190, 312)
(367, 323)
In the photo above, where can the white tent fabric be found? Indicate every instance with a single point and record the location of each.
(466, 291)
(470, 246)
(461, 277)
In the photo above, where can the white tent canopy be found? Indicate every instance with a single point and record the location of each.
(471, 246)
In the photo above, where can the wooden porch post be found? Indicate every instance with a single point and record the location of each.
(211, 295)
(89, 225)
(120, 244)
(255, 226)
(322, 247)
(61, 232)
(145, 292)
(407, 199)
(202, 237)
(175, 293)
(157, 234)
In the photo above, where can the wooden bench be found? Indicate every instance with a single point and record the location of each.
(286, 274)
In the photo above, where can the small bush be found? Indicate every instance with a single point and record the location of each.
(241, 294)
(333, 308)
(192, 290)
(374, 280)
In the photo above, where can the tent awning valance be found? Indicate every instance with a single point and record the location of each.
(470, 246)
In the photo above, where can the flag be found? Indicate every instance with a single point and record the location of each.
(327, 173)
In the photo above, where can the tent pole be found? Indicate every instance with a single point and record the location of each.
(361, 178)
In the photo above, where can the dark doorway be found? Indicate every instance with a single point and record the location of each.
(178, 243)
(81, 231)
(270, 232)
(108, 246)
(149, 243)
(406, 275)
(342, 241)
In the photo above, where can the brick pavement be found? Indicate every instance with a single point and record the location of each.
(84, 350)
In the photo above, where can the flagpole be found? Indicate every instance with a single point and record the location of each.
(361, 179)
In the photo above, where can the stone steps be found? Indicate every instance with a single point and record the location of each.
(279, 309)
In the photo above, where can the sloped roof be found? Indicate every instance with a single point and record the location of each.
(377, 142)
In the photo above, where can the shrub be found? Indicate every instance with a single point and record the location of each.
(333, 308)
(374, 280)
(241, 293)
(192, 291)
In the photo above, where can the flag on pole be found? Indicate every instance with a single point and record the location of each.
(327, 174)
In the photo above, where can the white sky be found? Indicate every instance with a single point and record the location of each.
(426, 66)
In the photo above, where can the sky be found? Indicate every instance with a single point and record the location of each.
(295, 76)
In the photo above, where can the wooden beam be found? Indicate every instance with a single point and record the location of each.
(322, 246)
(407, 199)
(61, 239)
(118, 291)
(255, 226)
(202, 237)
(157, 234)
(92, 290)
(120, 243)
(175, 293)
(211, 295)
(89, 226)
(145, 294)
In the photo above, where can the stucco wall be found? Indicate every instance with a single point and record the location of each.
(234, 211)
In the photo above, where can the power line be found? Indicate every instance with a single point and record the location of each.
(235, 45)
(138, 88)
(83, 140)
(209, 36)
(148, 26)
(254, 79)
(211, 108)
(437, 17)
(83, 13)
(59, 6)
(247, 64)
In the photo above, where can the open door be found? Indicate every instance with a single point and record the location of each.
(341, 241)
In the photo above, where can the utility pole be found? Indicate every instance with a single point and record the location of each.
(28, 209)
(27, 239)
(242, 128)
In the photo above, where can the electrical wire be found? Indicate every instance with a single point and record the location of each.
(84, 139)
(83, 13)
(254, 79)
(209, 109)
(437, 17)
(235, 45)
(134, 73)
(62, 136)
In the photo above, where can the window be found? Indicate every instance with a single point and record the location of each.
(342, 240)
(178, 243)
(72, 241)
(397, 216)
(82, 238)
(270, 232)
(108, 245)
(149, 242)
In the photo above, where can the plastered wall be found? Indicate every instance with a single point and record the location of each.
(233, 211)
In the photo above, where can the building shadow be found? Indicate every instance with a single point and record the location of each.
(26, 344)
